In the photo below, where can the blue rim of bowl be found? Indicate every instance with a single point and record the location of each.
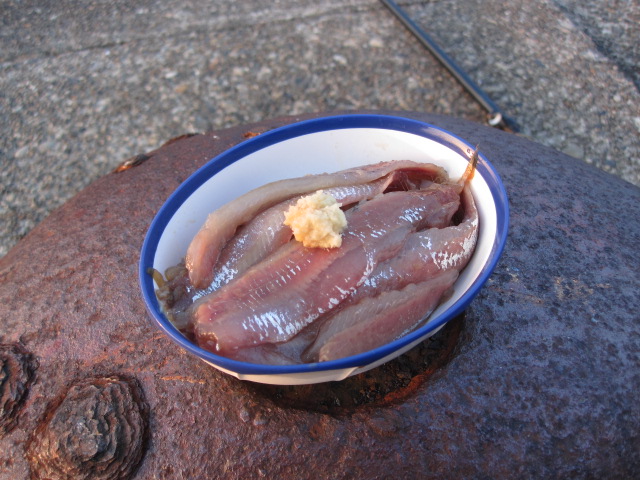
(386, 122)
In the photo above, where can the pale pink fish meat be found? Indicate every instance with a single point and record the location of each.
(381, 319)
(427, 253)
(278, 297)
(220, 226)
(410, 265)
(265, 233)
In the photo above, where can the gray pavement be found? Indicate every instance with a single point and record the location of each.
(86, 85)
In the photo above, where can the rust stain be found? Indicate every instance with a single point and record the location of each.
(178, 378)
(132, 162)
(250, 134)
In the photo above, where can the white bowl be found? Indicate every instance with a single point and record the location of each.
(315, 146)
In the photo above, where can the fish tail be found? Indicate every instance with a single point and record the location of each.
(471, 168)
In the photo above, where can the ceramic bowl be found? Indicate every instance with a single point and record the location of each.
(315, 146)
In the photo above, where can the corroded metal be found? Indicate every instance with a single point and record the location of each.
(97, 430)
(540, 381)
(132, 162)
(17, 367)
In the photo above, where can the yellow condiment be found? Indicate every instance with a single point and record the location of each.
(317, 221)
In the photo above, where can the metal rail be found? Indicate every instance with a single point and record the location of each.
(495, 117)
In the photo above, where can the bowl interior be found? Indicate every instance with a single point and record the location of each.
(317, 146)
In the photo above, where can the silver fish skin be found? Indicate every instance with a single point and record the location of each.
(425, 255)
(220, 226)
(382, 319)
(267, 232)
(275, 299)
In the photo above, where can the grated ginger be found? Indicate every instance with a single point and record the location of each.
(317, 221)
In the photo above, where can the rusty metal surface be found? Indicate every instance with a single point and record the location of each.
(539, 379)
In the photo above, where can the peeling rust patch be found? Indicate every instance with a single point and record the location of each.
(251, 134)
(132, 162)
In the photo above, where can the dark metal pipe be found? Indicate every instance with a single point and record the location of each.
(496, 118)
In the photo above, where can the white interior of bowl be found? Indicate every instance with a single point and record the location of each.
(325, 151)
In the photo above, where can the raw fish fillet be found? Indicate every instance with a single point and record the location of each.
(276, 298)
(376, 321)
(410, 232)
(221, 225)
(265, 233)
(427, 253)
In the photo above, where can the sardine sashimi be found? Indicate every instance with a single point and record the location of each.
(276, 298)
(220, 226)
(376, 321)
(267, 232)
(426, 253)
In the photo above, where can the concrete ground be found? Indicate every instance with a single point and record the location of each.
(83, 88)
